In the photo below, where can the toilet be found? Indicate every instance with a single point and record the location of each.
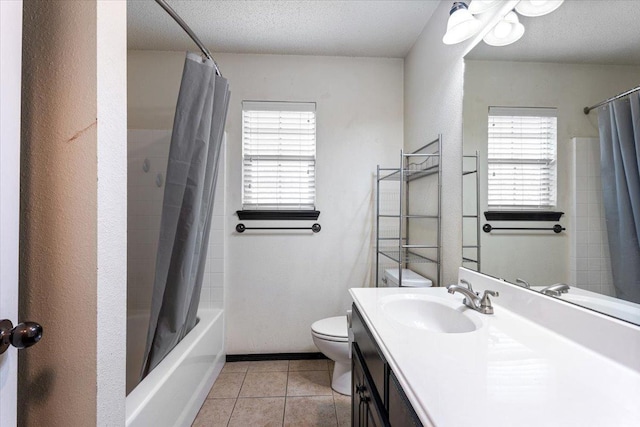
(331, 336)
(410, 279)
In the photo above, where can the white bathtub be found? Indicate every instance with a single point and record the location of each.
(172, 394)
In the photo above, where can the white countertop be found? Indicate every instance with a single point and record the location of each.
(509, 372)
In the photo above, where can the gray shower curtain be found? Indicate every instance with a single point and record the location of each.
(619, 124)
(186, 210)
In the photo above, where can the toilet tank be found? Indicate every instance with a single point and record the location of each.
(410, 279)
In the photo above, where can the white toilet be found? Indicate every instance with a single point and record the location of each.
(331, 336)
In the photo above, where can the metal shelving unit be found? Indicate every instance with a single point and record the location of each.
(473, 172)
(399, 249)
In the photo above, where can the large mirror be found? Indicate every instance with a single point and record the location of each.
(575, 57)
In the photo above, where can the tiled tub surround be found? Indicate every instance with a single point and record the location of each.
(145, 194)
(275, 393)
(535, 362)
(589, 252)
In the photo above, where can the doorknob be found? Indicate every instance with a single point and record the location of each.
(22, 336)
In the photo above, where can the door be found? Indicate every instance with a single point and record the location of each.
(10, 89)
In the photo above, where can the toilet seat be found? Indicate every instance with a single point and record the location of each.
(331, 329)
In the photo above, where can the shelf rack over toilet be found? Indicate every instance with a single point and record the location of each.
(420, 164)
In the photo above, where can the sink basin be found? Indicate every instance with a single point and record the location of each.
(428, 313)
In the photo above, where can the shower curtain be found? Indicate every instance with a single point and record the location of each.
(186, 210)
(619, 125)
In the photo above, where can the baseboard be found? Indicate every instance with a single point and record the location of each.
(274, 356)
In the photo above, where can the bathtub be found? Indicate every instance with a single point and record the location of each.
(172, 394)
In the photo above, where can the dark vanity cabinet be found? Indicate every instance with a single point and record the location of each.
(377, 398)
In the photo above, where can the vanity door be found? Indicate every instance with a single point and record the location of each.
(365, 404)
(357, 385)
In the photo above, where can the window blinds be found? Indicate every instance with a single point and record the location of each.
(279, 155)
(522, 158)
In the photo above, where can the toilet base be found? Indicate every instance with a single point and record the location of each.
(341, 381)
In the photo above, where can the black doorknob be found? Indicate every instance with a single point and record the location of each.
(26, 334)
(22, 336)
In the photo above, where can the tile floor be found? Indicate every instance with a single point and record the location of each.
(275, 393)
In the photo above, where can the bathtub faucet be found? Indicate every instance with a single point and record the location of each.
(556, 290)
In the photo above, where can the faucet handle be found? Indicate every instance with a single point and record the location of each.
(524, 282)
(468, 285)
(485, 302)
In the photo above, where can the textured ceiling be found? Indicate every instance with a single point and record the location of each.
(377, 28)
(580, 31)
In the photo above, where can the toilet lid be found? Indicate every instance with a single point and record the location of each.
(333, 327)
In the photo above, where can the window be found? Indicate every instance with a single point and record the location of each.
(521, 158)
(278, 155)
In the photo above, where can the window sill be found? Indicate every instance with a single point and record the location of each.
(523, 215)
(273, 215)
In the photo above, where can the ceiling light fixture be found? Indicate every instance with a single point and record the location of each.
(462, 25)
(481, 6)
(508, 30)
(537, 7)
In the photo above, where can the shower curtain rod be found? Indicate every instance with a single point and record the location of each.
(188, 30)
(618, 96)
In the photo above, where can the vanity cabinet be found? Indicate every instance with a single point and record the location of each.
(377, 399)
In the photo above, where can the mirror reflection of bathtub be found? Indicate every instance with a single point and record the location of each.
(623, 310)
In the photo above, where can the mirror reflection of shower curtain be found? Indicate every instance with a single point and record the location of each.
(619, 124)
(192, 169)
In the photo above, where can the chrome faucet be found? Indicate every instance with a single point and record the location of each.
(472, 300)
(524, 283)
(556, 290)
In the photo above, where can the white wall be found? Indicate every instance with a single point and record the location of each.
(542, 258)
(280, 283)
(111, 18)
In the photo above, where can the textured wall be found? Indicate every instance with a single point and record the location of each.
(58, 212)
(61, 380)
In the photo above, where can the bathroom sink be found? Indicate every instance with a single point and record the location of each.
(428, 313)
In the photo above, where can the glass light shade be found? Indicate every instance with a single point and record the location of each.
(461, 25)
(480, 6)
(508, 30)
(537, 7)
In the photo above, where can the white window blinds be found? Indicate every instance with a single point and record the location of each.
(279, 155)
(522, 158)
